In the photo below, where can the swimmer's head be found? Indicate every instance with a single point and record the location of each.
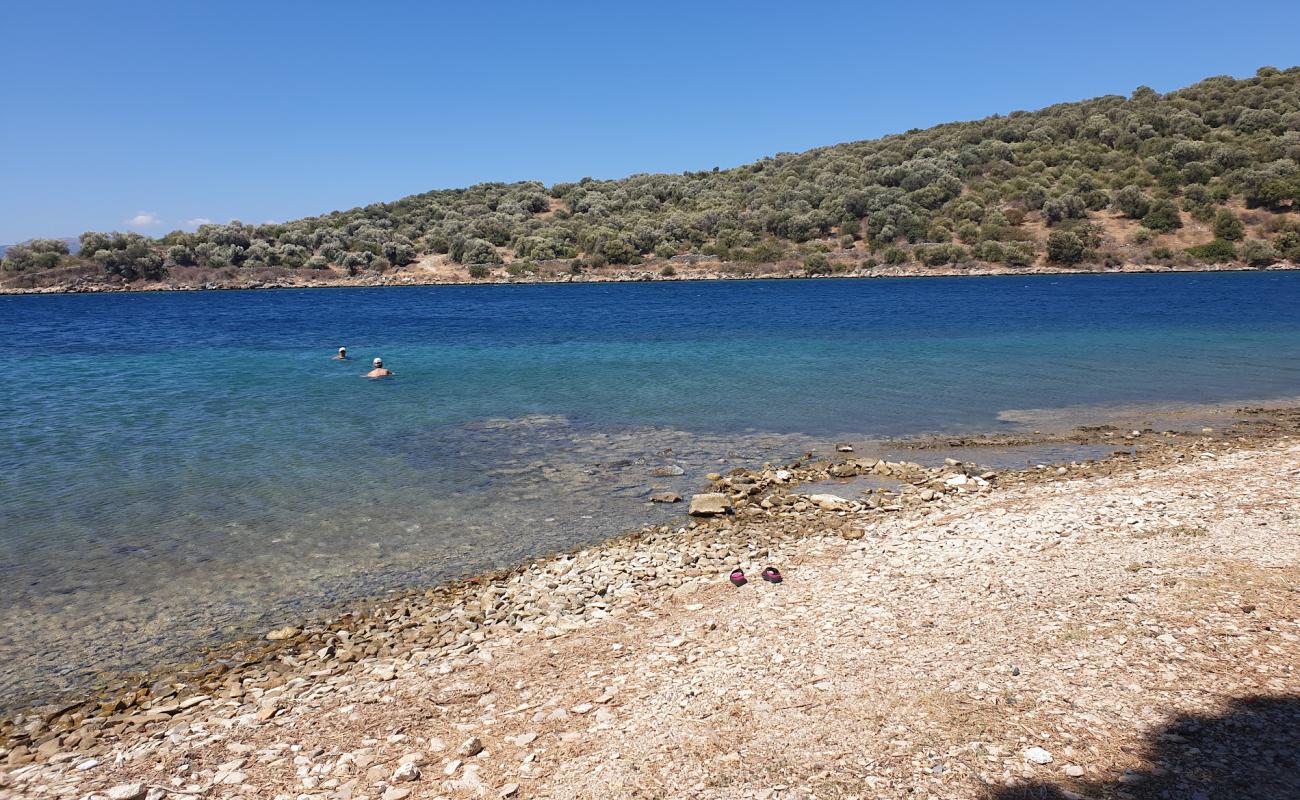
(379, 362)
(343, 351)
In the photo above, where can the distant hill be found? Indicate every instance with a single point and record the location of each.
(1204, 175)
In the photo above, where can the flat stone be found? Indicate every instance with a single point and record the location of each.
(830, 502)
(711, 504)
(666, 497)
(1038, 755)
(1074, 770)
(126, 791)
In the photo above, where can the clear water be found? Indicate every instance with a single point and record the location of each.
(181, 466)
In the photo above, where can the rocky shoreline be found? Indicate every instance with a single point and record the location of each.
(181, 733)
(695, 271)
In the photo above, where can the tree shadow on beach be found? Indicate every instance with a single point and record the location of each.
(1252, 752)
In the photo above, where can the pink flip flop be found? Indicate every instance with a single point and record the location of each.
(772, 575)
(738, 577)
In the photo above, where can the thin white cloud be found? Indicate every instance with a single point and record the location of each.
(197, 221)
(144, 219)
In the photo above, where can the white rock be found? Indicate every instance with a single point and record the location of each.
(406, 772)
(1038, 755)
(830, 502)
(126, 791)
(470, 747)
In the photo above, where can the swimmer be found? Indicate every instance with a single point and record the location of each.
(342, 356)
(379, 371)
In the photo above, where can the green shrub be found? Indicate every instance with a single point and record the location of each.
(1132, 202)
(479, 271)
(1288, 245)
(1218, 251)
(816, 264)
(1258, 253)
(479, 251)
(38, 254)
(1064, 247)
(895, 255)
(1163, 217)
(1228, 226)
(1018, 254)
(988, 251)
(1162, 253)
(940, 254)
(1143, 236)
(668, 271)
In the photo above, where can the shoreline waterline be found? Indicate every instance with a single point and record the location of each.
(411, 281)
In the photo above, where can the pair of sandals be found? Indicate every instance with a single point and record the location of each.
(770, 574)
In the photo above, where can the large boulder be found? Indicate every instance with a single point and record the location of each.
(711, 504)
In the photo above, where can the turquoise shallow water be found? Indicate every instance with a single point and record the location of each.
(179, 466)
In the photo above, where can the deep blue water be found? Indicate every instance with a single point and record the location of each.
(174, 461)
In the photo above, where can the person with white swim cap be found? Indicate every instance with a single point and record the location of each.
(343, 354)
(379, 371)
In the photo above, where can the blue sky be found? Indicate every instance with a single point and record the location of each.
(149, 115)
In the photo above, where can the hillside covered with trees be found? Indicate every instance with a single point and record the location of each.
(1203, 175)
